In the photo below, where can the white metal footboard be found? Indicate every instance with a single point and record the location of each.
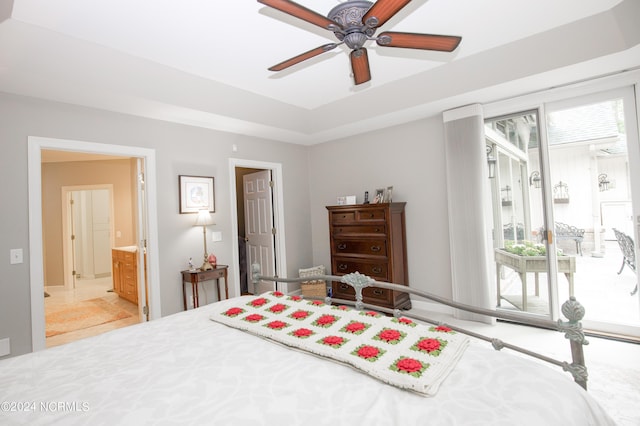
(571, 309)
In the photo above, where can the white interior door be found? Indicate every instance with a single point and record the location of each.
(259, 229)
(87, 232)
(101, 230)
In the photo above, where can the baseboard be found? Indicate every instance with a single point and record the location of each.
(424, 305)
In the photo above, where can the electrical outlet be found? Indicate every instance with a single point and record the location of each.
(15, 256)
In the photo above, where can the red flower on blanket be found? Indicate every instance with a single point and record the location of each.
(233, 312)
(258, 302)
(277, 325)
(302, 333)
(341, 307)
(368, 352)
(317, 303)
(404, 321)
(390, 335)
(409, 366)
(295, 298)
(277, 293)
(431, 346)
(300, 314)
(333, 341)
(442, 329)
(277, 308)
(371, 314)
(355, 327)
(326, 321)
(254, 318)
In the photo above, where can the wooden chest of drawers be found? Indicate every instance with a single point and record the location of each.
(370, 239)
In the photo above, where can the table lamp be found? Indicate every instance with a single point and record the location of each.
(204, 219)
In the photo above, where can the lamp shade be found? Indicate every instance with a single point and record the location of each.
(204, 218)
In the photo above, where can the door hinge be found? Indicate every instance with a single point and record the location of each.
(145, 310)
(73, 237)
(271, 184)
(273, 231)
(71, 201)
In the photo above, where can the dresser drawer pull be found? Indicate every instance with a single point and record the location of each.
(375, 248)
(378, 291)
(376, 269)
(342, 246)
(342, 266)
(344, 287)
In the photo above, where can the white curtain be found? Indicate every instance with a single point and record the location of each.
(469, 208)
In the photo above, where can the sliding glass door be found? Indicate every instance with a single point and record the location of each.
(565, 192)
(593, 159)
(520, 252)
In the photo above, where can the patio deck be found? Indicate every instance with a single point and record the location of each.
(597, 286)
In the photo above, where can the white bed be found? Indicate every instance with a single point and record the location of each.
(185, 369)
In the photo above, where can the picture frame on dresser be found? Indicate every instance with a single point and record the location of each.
(196, 193)
(379, 198)
(388, 194)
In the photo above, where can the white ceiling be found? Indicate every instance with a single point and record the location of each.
(204, 62)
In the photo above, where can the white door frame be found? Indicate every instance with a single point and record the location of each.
(278, 219)
(67, 254)
(36, 267)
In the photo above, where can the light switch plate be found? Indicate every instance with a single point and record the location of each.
(15, 256)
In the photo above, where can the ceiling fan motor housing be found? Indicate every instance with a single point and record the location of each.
(349, 15)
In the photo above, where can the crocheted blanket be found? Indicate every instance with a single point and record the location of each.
(397, 351)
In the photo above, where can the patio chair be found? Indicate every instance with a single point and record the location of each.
(628, 252)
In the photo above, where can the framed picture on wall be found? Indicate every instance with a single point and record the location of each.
(196, 193)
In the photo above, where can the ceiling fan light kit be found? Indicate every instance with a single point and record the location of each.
(354, 22)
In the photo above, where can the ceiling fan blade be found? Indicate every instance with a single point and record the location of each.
(360, 65)
(419, 41)
(382, 11)
(304, 56)
(301, 12)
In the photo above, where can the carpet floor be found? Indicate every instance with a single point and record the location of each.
(81, 315)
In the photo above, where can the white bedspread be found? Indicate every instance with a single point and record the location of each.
(187, 370)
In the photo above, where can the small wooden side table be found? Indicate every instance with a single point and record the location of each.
(196, 276)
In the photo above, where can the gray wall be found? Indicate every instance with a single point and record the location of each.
(179, 150)
(410, 158)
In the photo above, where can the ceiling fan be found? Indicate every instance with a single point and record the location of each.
(354, 22)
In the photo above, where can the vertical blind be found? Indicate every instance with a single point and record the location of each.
(468, 195)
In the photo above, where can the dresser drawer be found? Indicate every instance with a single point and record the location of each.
(343, 217)
(377, 270)
(369, 295)
(371, 214)
(373, 247)
(129, 289)
(362, 215)
(360, 230)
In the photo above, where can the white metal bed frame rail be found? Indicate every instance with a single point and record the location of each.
(571, 309)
